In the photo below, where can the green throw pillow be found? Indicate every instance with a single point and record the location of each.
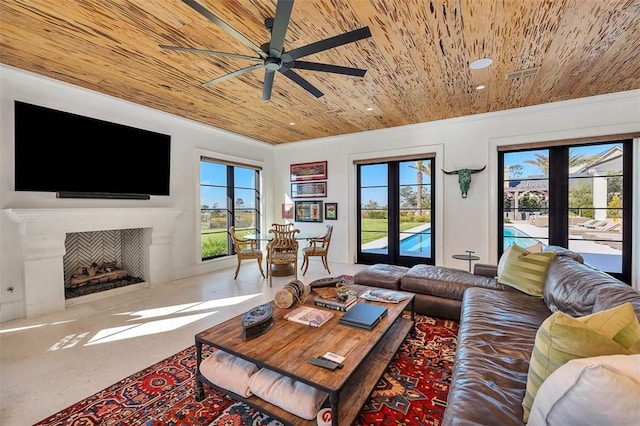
(562, 338)
(526, 271)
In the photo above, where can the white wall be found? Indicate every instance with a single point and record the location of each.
(469, 224)
(468, 142)
(188, 139)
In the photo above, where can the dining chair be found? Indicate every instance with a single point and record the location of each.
(282, 250)
(318, 246)
(246, 249)
(282, 226)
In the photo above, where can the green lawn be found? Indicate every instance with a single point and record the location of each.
(373, 229)
(214, 241)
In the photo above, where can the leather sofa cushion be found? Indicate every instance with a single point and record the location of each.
(443, 282)
(613, 295)
(381, 275)
(573, 287)
(497, 334)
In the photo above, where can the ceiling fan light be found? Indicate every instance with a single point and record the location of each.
(481, 63)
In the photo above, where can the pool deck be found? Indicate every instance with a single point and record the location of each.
(599, 256)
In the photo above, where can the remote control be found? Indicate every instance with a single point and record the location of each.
(324, 363)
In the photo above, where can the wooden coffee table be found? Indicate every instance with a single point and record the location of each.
(287, 346)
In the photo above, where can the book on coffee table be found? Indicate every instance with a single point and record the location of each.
(363, 315)
(307, 315)
(334, 303)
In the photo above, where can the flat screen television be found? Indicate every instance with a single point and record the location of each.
(82, 157)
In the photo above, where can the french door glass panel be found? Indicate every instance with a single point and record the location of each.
(526, 202)
(374, 205)
(596, 205)
(415, 208)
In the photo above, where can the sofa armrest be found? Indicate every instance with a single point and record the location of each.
(485, 269)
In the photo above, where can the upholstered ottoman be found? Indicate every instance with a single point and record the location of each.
(439, 290)
(381, 275)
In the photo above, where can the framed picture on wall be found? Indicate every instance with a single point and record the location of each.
(287, 211)
(308, 171)
(309, 190)
(331, 211)
(308, 211)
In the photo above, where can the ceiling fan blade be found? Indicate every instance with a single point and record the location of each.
(210, 52)
(232, 74)
(328, 43)
(269, 75)
(302, 82)
(315, 66)
(228, 28)
(280, 24)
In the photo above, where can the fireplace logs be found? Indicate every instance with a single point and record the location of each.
(106, 271)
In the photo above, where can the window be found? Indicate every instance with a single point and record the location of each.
(396, 210)
(574, 196)
(229, 196)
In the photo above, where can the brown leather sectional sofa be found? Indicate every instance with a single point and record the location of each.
(498, 326)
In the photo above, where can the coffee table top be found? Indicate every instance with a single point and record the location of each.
(287, 346)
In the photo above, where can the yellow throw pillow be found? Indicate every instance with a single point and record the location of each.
(562, 338)
(526, 271)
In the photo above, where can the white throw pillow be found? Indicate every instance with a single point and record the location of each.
(590, 391)
(291, 395)
(228, 372)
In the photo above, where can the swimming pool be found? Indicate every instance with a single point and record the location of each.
(513, 235)
(417, 244)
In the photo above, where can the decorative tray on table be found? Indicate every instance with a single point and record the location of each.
(257, 321)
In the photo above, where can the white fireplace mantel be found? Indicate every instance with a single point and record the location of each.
(43, 232)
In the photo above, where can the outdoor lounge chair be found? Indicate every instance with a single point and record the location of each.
(587, 223)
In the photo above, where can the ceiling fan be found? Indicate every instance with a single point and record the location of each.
(272, 55)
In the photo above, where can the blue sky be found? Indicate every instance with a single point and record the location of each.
(216, 174)
(513, 158)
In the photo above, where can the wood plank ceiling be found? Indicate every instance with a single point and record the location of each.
(417, 58)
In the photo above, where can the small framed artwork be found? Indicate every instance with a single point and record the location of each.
(287, 211)
(308, 211)
(308, 171)
(331, 211)
(309, 190)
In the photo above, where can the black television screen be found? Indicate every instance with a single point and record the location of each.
(58, 151)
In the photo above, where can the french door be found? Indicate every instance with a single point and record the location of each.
(395, 212)
(574, 196)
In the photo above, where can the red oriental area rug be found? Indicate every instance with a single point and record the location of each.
(412, 391)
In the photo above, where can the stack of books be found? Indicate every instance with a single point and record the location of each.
(334, 303)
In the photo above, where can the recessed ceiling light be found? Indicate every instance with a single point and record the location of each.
(480, 87)
(480, 63)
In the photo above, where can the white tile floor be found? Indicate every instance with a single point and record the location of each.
(51, 362)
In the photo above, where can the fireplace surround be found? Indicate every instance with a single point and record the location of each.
(42, 236)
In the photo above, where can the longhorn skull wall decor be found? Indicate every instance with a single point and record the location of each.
(464, 178)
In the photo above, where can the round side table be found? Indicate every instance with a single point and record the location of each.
(469, 257)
